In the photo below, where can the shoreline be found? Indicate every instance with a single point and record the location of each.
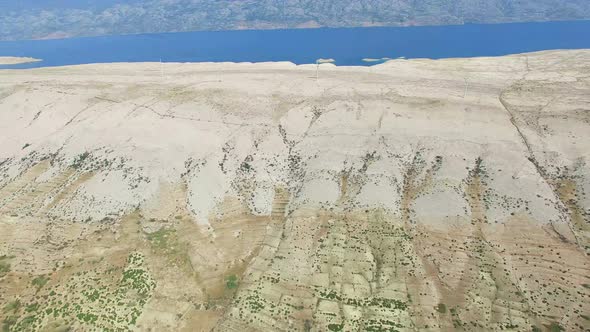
(371, 63)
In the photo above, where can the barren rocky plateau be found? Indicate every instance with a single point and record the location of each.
(414, 195)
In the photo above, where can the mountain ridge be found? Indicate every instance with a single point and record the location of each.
(41, 20)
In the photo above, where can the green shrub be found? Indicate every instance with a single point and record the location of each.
(40, 281)
(12, 306)
(4, 268)
(79, 161)
(32, 307)
(335, 327)
(8, 323)
(442, 308)
(231, 282)
(555, 327)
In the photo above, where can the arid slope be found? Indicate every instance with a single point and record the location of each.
(413, 195)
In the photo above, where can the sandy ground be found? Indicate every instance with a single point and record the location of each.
(10, 60)
(411, 195)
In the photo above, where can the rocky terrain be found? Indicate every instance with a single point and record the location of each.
(415, 195)
(37, 19)
(11, 60)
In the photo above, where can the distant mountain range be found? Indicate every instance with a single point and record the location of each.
(40, 19)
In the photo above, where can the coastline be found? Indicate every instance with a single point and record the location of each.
(270, 65)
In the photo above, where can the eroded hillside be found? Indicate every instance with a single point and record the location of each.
(414, 195)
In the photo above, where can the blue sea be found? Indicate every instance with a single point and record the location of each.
(348, 46)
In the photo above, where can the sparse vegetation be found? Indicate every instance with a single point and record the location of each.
(161, 238)
(555, 327)
(32, 307)
(8, 322)
(40, 281)
(12, 306)
(80, 159)
(4, 268)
